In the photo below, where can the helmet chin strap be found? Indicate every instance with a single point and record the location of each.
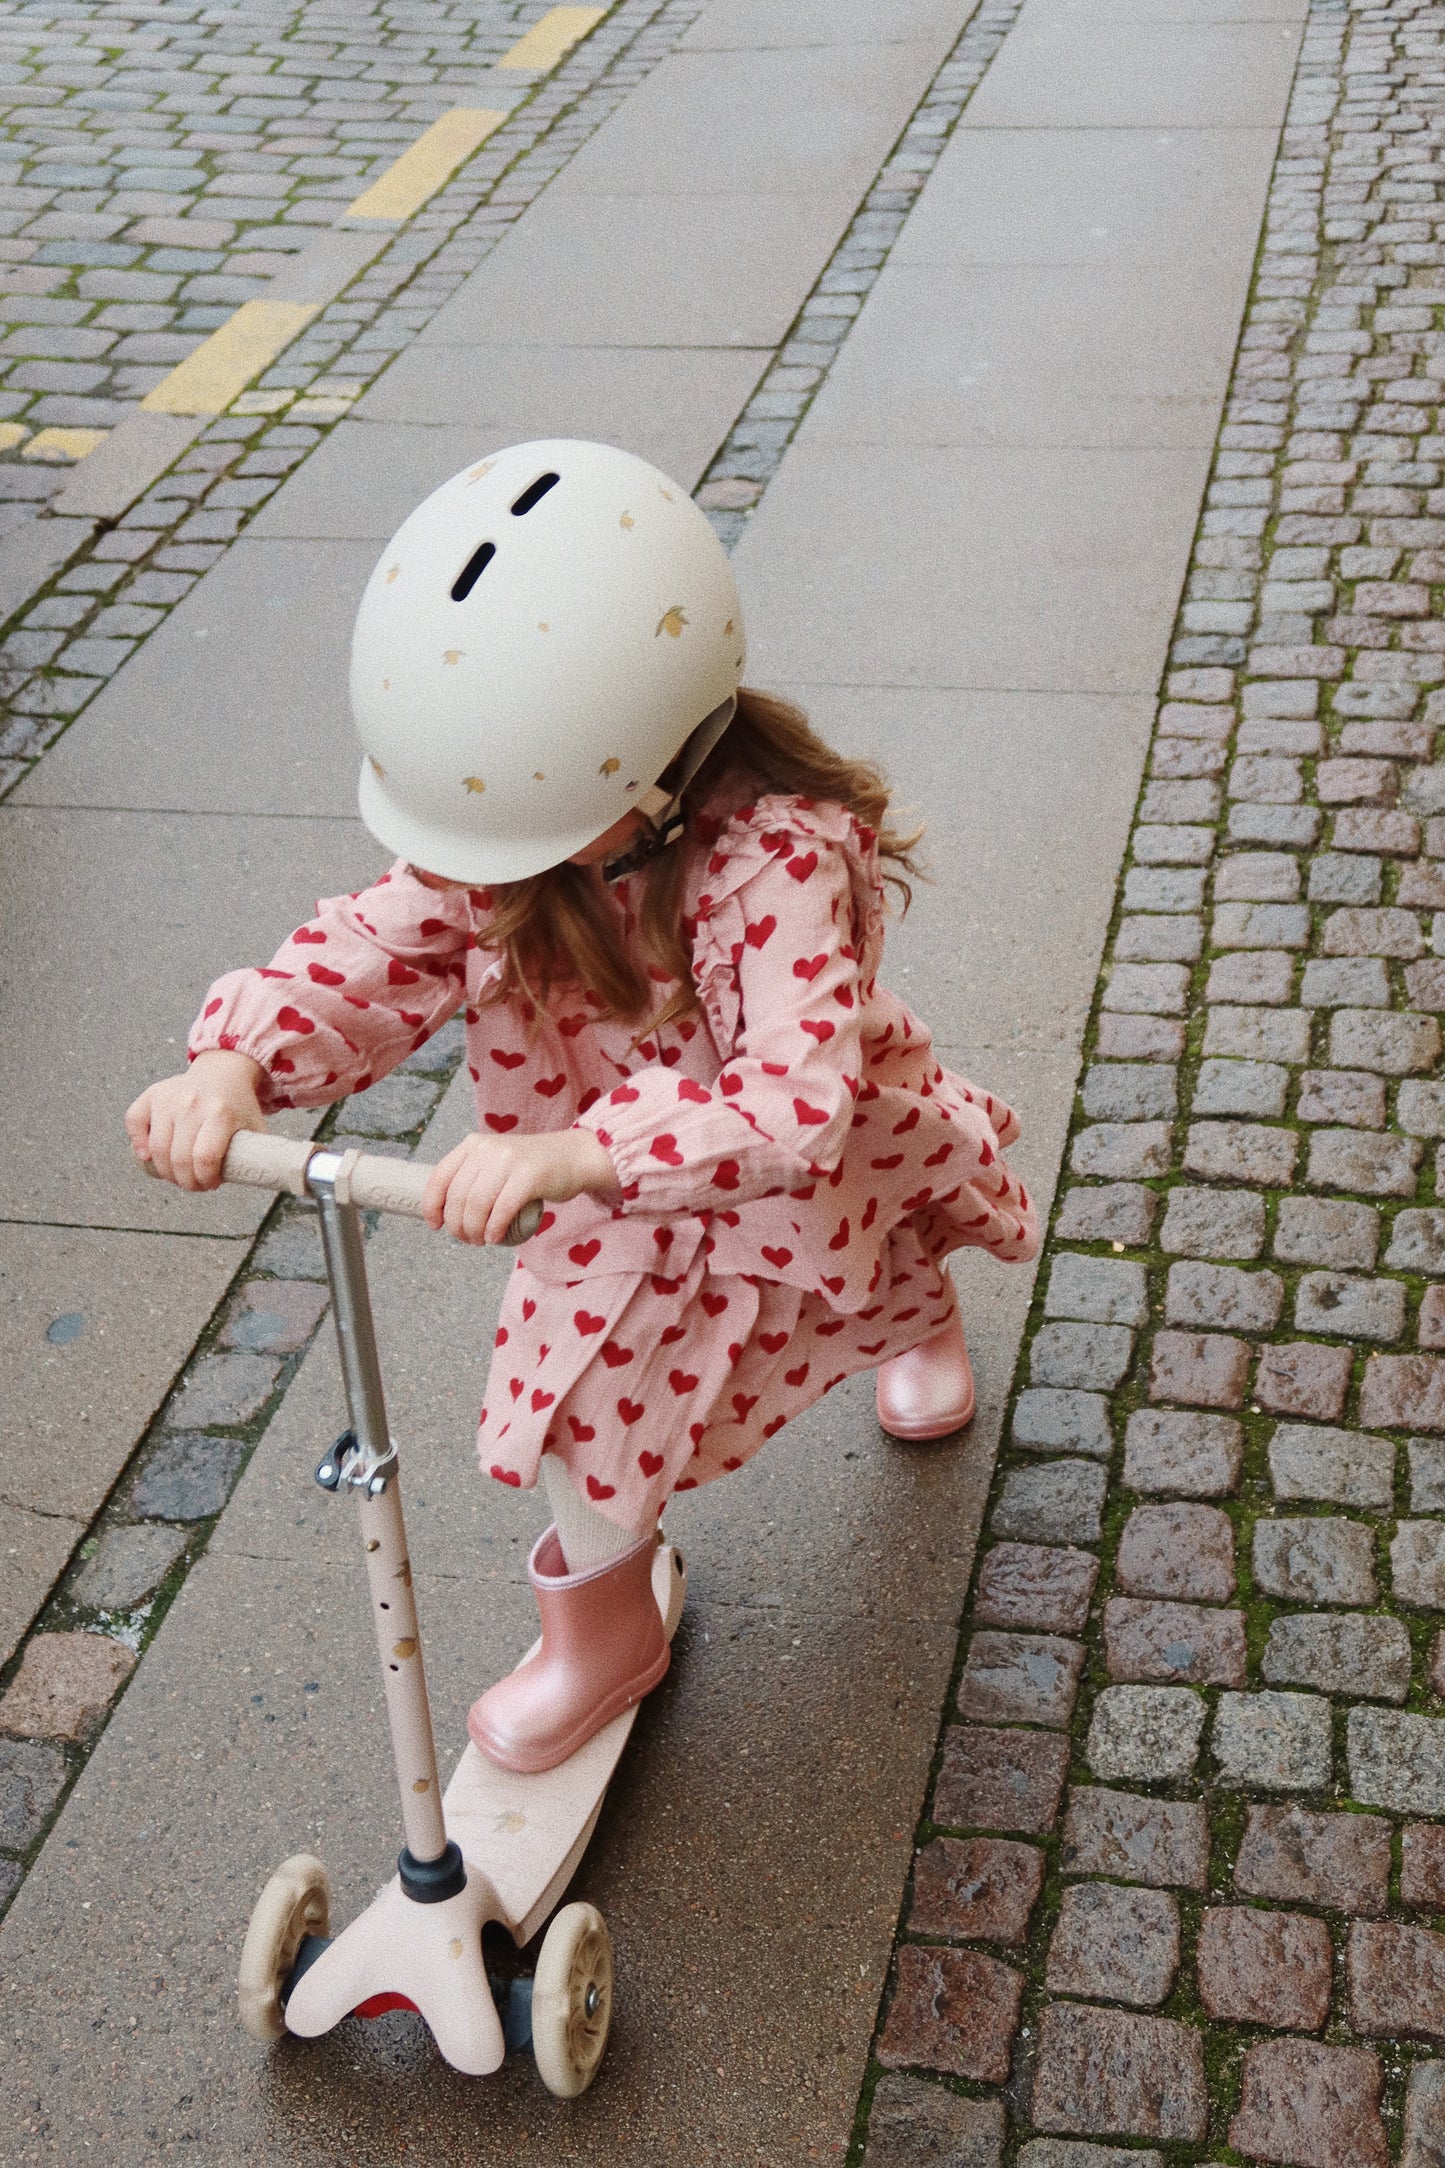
(662, 809)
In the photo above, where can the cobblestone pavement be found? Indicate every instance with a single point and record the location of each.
(1182, 1880)
(159, 163)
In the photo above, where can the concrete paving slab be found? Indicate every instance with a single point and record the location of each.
(818, 120)
(116, 924)
(369, 474)
(1027, 548)
(673, 408)
(754, 1771)
(765, 25)
(1086, 354)
(1213, 12)
(647, 270)
(236, 704)
(94, 1325)
(1076, 195)
(34, 1548)
(1053, 73)
(32, 554)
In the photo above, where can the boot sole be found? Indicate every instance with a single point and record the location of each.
(618, 1701)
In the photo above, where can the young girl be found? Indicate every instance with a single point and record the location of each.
(660, 898)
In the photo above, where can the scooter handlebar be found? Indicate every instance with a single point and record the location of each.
(376, 1184)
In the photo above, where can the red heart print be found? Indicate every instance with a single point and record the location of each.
(770, 1430)
(211, 1007)
(671, 1056)
(506, 1475)
(808, 967)
(586, 1323)
(292, 1020)
(832, 1325)
(697, 1093)
(549, 1086)
(682, 1382)
(744, 1404)
(839, 1241)
(631, 1411)
(649, 1463)
(870, 1213)
(726, 1174)
(936, 1159)
(541, 1400)
(600, 1490)
(582, 1253)
(714, 1304)
(614, 1356)
(773, 1342)
(665, 1149)
(808, 1115)
(672, 1335)
(796, 1377)
(501, 1122)
(777, 1257)
(504, 1060)
(758, 936)
(893, 1159)
(397, 974)
(308, 936)
(802, 868)
(528, 1307)
(910, 1121)
(835, 1283)
(817, 1027)
(569, 1026)
(662, 1236)
(514, 1387)
(584, 1433)
(729, 1084)
(695, 1431)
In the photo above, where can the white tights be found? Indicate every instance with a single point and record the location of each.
(587, 1537)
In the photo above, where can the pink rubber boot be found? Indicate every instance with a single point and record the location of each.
(928, 1392)
(603, 1648)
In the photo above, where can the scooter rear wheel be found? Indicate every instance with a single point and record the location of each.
(296, 1902)
(572, 2000)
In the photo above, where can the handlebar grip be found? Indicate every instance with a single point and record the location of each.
(376, 1184)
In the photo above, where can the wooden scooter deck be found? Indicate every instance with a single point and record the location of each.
(526, 1834)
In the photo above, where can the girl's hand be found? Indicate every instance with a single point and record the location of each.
(181, 1127)
(478, 1190)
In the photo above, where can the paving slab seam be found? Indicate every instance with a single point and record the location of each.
(85, 602)
(1180, 1882)
(69, 1671)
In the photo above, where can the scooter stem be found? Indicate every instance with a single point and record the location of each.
(383, 1530)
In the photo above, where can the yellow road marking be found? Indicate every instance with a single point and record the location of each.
(557, 32)
(431, 160)
(222, 366)
(62, 444)
(11, 434)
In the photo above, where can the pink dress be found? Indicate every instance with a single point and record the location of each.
(793, 1161)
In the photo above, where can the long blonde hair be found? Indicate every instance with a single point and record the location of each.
(558, 928)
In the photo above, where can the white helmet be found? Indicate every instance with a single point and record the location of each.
(536, 644)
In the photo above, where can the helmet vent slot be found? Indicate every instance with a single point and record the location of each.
(472, 571)
(533, 494)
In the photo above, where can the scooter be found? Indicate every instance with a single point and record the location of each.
(495, 1846)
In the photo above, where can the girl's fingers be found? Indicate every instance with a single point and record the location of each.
(434, 1196)
(138, 1125)
(208, 1151)
(516, 1191)
(161, 1127)
(468, 1198)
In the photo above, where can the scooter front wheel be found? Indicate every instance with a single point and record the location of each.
(296, 1902)
(572, 2000)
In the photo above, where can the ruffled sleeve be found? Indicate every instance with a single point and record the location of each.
(779, 1113)
(348, 995)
